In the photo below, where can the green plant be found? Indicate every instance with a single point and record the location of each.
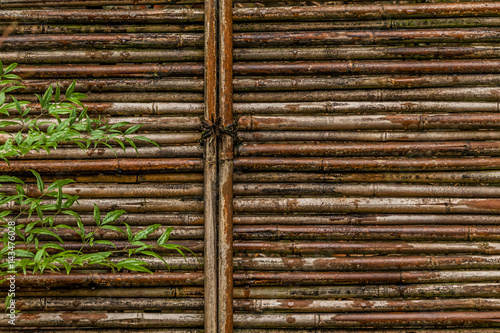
(61, 118)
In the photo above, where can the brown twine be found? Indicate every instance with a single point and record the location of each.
(214, 128)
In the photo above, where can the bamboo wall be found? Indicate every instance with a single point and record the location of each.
(348, 184)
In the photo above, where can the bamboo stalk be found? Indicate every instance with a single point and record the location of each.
(467, 177)
(366, 82)
(476, 94)
(109, 84)
(147, 108)
(369, 291)
(365, 219)
(73, 3)
(405, 36)
(477, 66)
(329, 164)
(371, 122)
(137, 320)
(128, 70)
(104, 165)
(103, 41)
(384, 23)
(360, 190)
(131, 97)
(127, 178)
(116, 293)
(378, 232)
(84, 16)
(44, 28)
(371, 136)
(366, 53)
(403, 330)
(351, 247)
(367, 12)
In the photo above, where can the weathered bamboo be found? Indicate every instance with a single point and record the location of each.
(403, 330)
(381, 320)
(128, 70)
(379, 232)
(466, 177)
(107, 330)
(365, 107)
(106, 304)
(226, 156)
(137, 320)
(43, 28)
(104, 41)
(147, 123)
(184, 177)
(102, 190)
(363, 82)
(374, 136)
(371, 122)
(367, 219)
(476, 94)
(131, 97)
(406, 36)
(109, 84)
(84, 16)
(367, 12)
(211, 86)
(73, 3)
(319, 306)
(330, 190)
(368, 291)
(369, 263)
(386, 23)
(363, 164)
(242, 278)
(133, 292)
(132, 219)
(486, 66)
(350, 247)
(119, 279)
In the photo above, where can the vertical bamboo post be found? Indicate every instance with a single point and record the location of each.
(226, 169)
(210, 172)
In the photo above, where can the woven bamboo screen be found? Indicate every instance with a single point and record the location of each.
(353, 181)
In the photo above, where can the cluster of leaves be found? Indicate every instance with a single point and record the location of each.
(60, 118)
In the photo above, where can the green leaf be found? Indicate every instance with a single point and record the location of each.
(144, 233)
(130, 236)
(113, 227)
(10, 68)
(106, 242)
(112, 216)
(97, 215)
(58, 93)
(39, 181)
(70, 89)
(132, 129)
(143, 138)
(166, 234)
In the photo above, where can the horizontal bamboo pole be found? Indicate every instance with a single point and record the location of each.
(84, 16)
(242, 278)
(361, 190)
(350, 247)
(147, 123)
(174, 219)
(83, 280)
(242, 84)
(477, 66)
(378, 232)
(103, 41)
(476, 94)
(367, 219)
(373, 136)
(368, 205)
(137, 320)
(369, 291)
(367, 12)
(395, 319)
(193, 150)
(382, 23)
(465, 177)
(45, 28)
(371, 122)
(106, 304)
(366, 53)
(321, 306)
(363, 164)
(104, 165)
(115, 330)
(107, 84)
(77, 3)
(354, 264)
(127, 178)
(402, 330)
(131, 97)
(366, 107)
(439, 148)
(116, 293)
(146, 108)
(127, 70)
(103, 190)
(405, 36)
